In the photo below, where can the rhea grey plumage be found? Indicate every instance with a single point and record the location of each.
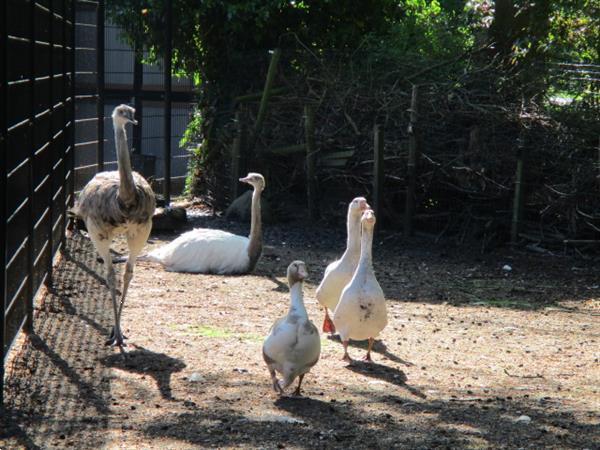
(118, 202)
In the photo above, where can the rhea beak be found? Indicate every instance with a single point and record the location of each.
(133, 121)
(245, 180)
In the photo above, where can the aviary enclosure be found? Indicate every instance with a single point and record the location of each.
(485, 188)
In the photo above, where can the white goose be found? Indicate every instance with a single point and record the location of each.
(293, 346)
(204, 250)
(361, 312)
(339, 273)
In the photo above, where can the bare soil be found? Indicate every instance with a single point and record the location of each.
(474, 356)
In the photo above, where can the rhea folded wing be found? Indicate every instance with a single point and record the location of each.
(204, 250)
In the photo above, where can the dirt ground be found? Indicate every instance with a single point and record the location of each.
(474, 356)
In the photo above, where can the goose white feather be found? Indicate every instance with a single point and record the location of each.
(293, 346)
(205, 250)
(361, 312)
(339, 273)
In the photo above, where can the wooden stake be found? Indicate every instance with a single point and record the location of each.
(378, 173)
(311, 158)
(413, 151)
(236, 151)
(264, 102)
(518, 198)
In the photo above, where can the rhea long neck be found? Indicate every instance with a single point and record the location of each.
(353, 242)
(297, 306)
(255, 238)
(126, 183)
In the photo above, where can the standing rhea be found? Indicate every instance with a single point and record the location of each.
(293, 346)
(118, 202)
(339, 273)
(204, 250)
(361, 312)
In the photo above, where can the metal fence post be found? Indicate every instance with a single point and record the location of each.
(138, 80)
(32, 149)
(3, 174)
(72, 105)
(51, 144)
(100, 83)
(168, 87)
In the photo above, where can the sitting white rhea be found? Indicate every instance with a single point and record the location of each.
(204, 250)
(293, 346)
(361, 312)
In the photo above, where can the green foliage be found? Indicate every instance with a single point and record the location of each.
(223, 46)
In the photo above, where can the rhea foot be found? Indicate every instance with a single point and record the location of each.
(367, 357)
(114, 340)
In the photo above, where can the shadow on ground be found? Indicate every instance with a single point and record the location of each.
(56, 392)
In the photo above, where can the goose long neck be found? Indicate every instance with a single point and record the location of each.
(297, 296)
(353, 241)
(126, 184)
(366, 248)
(255, 238)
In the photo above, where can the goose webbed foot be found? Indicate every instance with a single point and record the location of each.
(328, 326)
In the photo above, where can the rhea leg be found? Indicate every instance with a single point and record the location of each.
(135, 242)
(102, 242)
(368, 355)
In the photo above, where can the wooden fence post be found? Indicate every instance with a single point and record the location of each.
(378, 175)
(266, 95)
(413, 151)
(311, 157)
(518, 198)
(236, 152)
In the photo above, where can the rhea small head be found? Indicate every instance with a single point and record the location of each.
(256, 180)
(358, 205)
(368, 218)
(296, 272)
(124, 114)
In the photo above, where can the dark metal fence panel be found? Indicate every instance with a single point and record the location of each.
(143, 85)
(36, 152)
(3, 173)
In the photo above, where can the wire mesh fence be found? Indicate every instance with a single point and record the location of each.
(474, 130)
